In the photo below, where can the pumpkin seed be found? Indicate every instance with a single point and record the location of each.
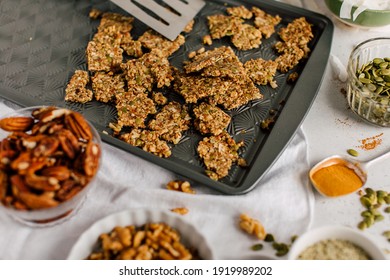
(387, 209)
(353, 152)
(257, 247)
(365, 201)
(269, 238)
(362, 225)
(386, 234)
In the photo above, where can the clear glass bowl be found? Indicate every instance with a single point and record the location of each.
(64, 210)
(364, 99)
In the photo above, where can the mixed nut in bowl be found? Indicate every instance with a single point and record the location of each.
(369, 81)
(141, 234)
(49, 158)
(335, 242)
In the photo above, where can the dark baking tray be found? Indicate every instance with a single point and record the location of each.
(43, 42)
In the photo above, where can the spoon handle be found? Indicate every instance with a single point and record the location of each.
(377, 159)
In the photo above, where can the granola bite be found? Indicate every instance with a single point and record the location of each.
(103, 56)
(221, 25)
(240, 11)
(208, 58)
(210, 119)
(152, 40)
(180, 186)
(218, 154)
(113, 22)
(247, 37)
(149, 141)
(262, 71)
(76, 90)
(289, 59)
(265, 22)
(106, 86)
(252, 226)
(133, 109)
(171, 121)
(131, 47)
(180, 210)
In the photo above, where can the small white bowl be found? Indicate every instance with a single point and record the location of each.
(336, 232)
(190, 235)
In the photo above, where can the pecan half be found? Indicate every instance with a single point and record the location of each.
(46, 147)
(16, 123)
(91, 159)
(69, 143)
(34, 201)
(61, 173)
(77, 124)
(3, 184)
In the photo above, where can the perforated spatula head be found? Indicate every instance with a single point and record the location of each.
(167, 17)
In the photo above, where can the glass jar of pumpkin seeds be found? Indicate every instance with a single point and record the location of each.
(369, 81)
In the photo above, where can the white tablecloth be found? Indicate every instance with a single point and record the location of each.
(282, 201)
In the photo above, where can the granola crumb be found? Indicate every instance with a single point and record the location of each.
(180, 210)
(252, 226)
(180, 186)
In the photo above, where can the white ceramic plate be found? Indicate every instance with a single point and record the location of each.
(336, 232)
(138, 217)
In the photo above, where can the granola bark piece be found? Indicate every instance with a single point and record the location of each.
(159, 66)
(229, 67)
(289, 59)
(262, 71)
(222, 25)
(210, 119)
(171, 121)
(113, 22)
(193, 88)
(148, 140)
(152, 40)
(238, 92)
(138, 75)
(133, 108)
(299, 33)
(247, 37)
(208, 58)
(107, 86)
(240, 11)
(265, 22)
(76, 90)
(103, 56)
(218, 154)
(190, 25)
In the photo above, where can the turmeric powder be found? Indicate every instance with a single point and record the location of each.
(335, 180)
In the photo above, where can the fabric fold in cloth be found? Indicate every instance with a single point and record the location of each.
(283, 201)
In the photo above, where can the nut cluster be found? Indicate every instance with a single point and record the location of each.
(152, 241)
(46, 159)
(180, 186)
(252, 226)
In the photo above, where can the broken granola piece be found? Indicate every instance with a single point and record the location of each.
(238, 92)
(210, 119)
(252, 226)
(113, 22)
(138, 75)
(289, 59)
(133, 108)
(95, 13)
(180, 210)
(247, 37)
(171, 121)
(103, 56)
(131, 47)
(149, 141)
(190, 25)
(152, 40)
(159, 67)
(221, 25)
(240, 11)
(106, 86)
(262, 71)
(229, 67)
(208, 58)
(180, 186)
(76, 90)
(299, 33)
(265, 22)
(218, 154)
(159, 98)
(193, 88)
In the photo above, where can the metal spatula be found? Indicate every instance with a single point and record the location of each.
(167, 17)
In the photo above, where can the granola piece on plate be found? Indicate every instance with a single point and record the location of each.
(152, 40)
(247, 37)
(240, 11)
(221, 25)
(262, 71)
(107, 86)
(148, 140)
(210, 119)
(171, 121)
(133, 108)
(218, 154)
(265, 22)
(76, 90)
